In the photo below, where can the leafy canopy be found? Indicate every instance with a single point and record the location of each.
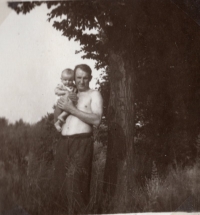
(75, 19)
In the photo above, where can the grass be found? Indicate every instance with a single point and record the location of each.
(178, 190)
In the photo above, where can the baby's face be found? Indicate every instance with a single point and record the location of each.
(67, 79)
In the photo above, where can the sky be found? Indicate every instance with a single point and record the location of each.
(32, 56)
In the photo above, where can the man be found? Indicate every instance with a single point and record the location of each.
(74, 153)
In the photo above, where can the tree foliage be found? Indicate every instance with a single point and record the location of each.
(108, 18)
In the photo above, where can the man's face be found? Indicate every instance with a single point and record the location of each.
(82, 80)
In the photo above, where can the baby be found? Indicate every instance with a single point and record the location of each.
(67, 79)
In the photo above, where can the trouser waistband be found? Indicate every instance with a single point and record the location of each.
(77, 135)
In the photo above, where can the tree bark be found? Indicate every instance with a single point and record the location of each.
(119, 169)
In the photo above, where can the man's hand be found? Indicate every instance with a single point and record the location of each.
(73, 97)
(65, 104)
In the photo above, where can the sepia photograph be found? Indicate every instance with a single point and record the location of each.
(100, 107)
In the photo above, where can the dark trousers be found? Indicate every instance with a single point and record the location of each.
(73, 165)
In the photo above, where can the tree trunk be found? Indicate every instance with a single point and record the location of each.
(119, 169)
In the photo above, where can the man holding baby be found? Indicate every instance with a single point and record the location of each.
(73, 161)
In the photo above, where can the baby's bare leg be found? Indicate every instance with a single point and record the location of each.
(59, 116)
(63, 116)
(58, 126)
(57, 112)
(60, 121)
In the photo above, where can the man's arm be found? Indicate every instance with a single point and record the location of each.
(93, 118)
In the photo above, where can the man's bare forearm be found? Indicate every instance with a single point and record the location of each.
(89, 118)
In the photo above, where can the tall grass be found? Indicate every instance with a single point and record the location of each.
(178, 190)
(31, 187)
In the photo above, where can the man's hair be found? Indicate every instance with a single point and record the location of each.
(83, 67)
(68, 71)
